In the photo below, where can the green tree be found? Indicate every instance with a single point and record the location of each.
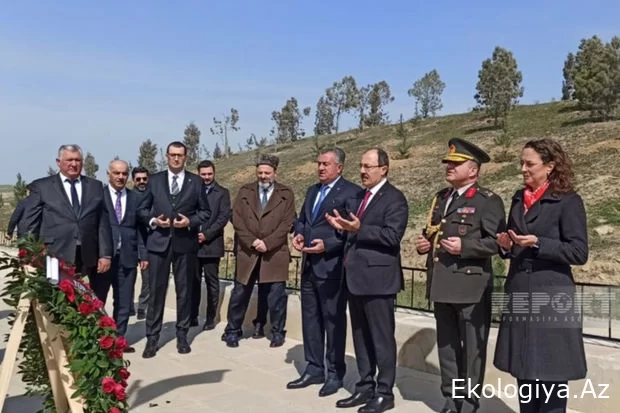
(568, 84)
(342, 97)
(20, 190)
(162, 164)
(379, 96)
(147, 155)
(191, 139)
(324, 117)
(361, 101)
(90, 166)
(404, 144)
(222, 126)
(288, 122)
(217, 151)
(499, 84)
(427, 93)
(597, 76)
(51, 171)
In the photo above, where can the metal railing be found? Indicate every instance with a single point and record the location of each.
(599, 307)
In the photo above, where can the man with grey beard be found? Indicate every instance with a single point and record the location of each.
(263, 213)
(140, 178)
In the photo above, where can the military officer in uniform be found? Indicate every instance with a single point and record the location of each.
(459, 239)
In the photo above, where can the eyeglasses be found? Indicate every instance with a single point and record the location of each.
(364, 166)
(141, 179)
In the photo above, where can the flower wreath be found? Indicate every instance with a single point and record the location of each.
(94, 350)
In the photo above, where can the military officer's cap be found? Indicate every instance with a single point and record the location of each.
(270, 160)
(462, 150)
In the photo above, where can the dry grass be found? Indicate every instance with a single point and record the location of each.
(594, 146)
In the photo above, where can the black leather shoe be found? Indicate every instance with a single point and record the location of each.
(151, 349)
(232, 340)
(277, 340)
(129, 349)
(209, 325)
(304, 381)
(193, 322)
(357, 399)
(377, 405)
(141, 315)
(183, 346)
(330, 387)
(259, 331)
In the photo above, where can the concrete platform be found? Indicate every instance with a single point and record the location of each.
(253, 377)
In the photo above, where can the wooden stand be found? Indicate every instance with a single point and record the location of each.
(61, 379)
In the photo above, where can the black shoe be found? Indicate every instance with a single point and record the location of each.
(193, 322)
(209, 325)
(259, 331)
(141, 315)
(129, 350)
(277, 340)
(132, 312)
(330, 387)
(151, 348)
(378, 405)
(304, 381)
(224, 335)
(357, 399)
(182, 345)
(232, 340)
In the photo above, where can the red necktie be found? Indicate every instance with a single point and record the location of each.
(360, 212)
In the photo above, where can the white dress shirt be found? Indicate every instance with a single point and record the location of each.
(180, 178)
(67, 186)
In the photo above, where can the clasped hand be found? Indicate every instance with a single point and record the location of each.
(181, 221)
(317, 245)
(259, 245)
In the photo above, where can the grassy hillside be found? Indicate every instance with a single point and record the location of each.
(594, 146)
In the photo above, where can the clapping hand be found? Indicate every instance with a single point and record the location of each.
(504, 241)
(523, 240)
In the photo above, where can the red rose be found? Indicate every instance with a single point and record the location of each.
(22, 253)
(106, 321)
(121, 343)
(123, 373)
(114, 410)
(124, 383)
(88, 297)
(115, 354)
(106, 342)
(119, 391)
(66, 287)
(97, 304)
(86, 308)
(108, 385)
(470, 192)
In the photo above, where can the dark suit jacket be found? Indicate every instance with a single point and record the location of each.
(16, 216)
(373, 264)
(329, 263)
(219, 204)
(476, 219)
(190, 201)
(130, 231)
(49, 216)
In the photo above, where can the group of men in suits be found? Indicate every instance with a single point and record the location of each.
(349, 237)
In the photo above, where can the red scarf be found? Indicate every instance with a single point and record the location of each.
(530, 197)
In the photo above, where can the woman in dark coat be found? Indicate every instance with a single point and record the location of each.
(540, 337)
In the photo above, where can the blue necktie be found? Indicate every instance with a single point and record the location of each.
(75, 201)
(264, 200)
(317, 207)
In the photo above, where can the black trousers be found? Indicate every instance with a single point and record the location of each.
(99, 283)
(276, 299)
(209, 268)
(532, 404)
(123, 284)
(462, 336)
(373, 326)
(324, 325)
(184, 269)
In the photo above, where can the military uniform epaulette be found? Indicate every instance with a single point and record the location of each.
(487, 193)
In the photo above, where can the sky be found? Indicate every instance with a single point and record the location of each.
(108, 75)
